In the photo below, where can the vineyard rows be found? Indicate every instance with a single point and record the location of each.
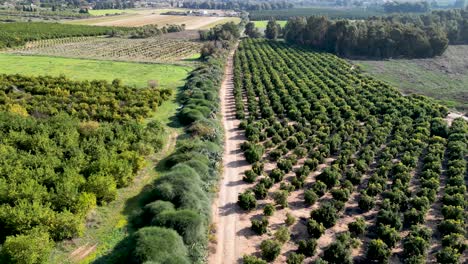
(343, 166)
(159, 49)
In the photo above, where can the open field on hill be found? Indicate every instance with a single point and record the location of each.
(140, 19)
(137, 74)
(172, 47)
(343, 166)
(444, 78)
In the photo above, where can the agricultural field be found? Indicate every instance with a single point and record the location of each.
(343, 167)
(134, 74)
(17, 34)
(444, 78)
(167, 48)
(332, 13)
(153, 17)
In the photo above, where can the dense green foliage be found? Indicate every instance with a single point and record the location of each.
(305, 101)
(18, 33)
(65, 147)
(333, 13)
(238, 4)
(393, 36)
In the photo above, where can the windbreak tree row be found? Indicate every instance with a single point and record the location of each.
(325, 139)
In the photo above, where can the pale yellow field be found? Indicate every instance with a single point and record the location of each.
(152, 16)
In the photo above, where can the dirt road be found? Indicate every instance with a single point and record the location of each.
(226, 213)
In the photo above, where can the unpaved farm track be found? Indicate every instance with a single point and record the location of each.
(226, 213)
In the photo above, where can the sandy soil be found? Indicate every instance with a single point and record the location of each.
(226, 213)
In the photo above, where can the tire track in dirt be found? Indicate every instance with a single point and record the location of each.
(226, 248)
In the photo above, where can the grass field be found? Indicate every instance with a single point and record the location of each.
(130, 73)
(103, 12)
(263, 23)
(444, 78)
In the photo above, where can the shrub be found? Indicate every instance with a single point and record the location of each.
(414, 246)
(290, 219)
(388, 217)
(453, 212)
(277, 175)
(388, 234)
(189, 224)
(307, 247)
(448, 255)
(247, 200)
(260, 191)
(257, 167)
(310, 197)
(414, 217)
(260, 226)
(283, 235)
(455, 241)
(338, 252)
(285, 165)
(281, 198)
(326, 214)
(451, 226)
(319, 188)
(269, 210)
(329, 176)
(249, 176)
(295, 258)
(315, 229)
(34, 247)
(312, 164)
(253, 153)
(252, 260)
(340, 194)
(358, 227)
(270, 249)
(159, 245)
(292, 142)
(378, 251)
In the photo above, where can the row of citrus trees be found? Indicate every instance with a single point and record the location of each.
(65, 147)
(303, 109)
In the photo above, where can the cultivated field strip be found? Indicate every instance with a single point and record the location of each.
(150, 50)
(341, 150)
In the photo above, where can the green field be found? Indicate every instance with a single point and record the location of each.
(138, 74)
(104, 12)
(263, 23)
(444, 78)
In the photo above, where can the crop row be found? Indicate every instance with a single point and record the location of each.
(307, 113)
(158, 49)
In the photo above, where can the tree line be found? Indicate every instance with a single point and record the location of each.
(238, 5)
(393, 36)
(406, 7)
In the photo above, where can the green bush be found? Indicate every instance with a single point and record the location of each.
(277, 175)
(388, 234)
(270, 249)
(247, 200)
(319, 188)
(358, 227)
(189, 224)
(455, 241)
(249, 176)
(290, 219)
(281, 198)
(282, 235)
(260, 227)
(378, 251)
(326, 214)
(310, 197)
(448, 255)
(158, 245)
(31, 248)
(295, 258)
(269, 210)
(307, 247)
(315, 229)
(338, 252)
(252, 260)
